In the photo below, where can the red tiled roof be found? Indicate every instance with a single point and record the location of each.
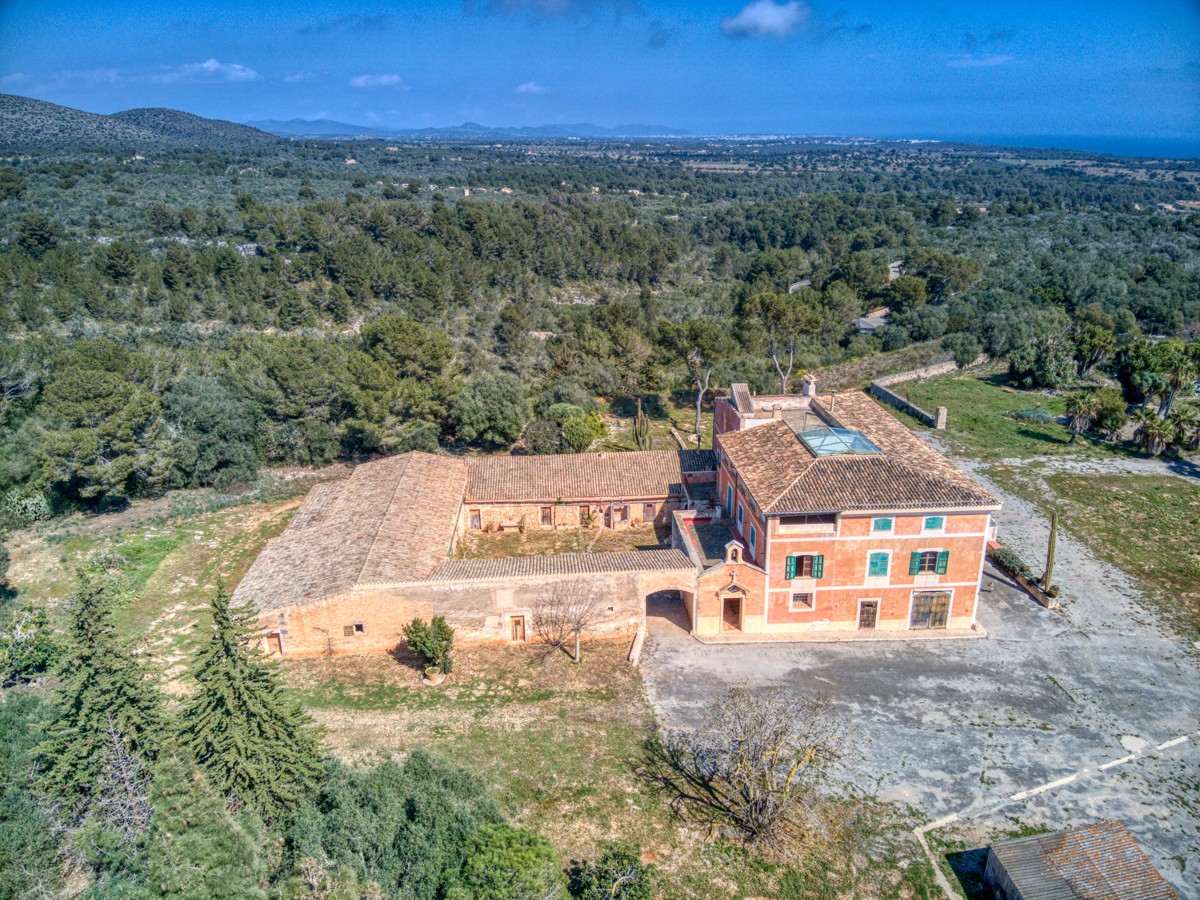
(582, 476)
(1099, 862)
(784, 477)
(562, 564)
(391, 520)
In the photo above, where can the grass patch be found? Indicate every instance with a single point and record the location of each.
(1141, 524)
(980, 424)
(560, 745)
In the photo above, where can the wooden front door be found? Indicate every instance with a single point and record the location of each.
(868, 613)
(930, 609)
(518, 629)
(274, 644)
(731, 614)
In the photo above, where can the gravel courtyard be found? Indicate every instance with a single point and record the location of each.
(1055, 719)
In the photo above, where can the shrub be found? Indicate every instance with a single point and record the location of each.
(506, 863)
(1008, 560)
(27, 505)
(1032, 414)
(27, 645)
(618, 874)
(431, 642)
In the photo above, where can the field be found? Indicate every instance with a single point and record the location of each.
(1131, 511)
(542, 542)
(561, 745)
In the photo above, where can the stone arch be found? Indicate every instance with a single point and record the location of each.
(674, 604)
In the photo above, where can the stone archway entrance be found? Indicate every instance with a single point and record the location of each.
(669, 610)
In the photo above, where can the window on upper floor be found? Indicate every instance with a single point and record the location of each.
(809, 565)
(929, 562)
(934, 523)
(882, 525)
(877, 564)
(753, 541)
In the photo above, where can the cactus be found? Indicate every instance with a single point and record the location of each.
(641, 430)
(1051, 547)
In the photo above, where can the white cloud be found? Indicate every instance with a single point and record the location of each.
(972, 61)
(14, 78)
(767, 19)
(209, 71)
(532, 87)
(371, 81)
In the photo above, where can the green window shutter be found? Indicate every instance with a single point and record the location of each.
(883, 525)
(878, 564)
(791, 567)
(914, 564)
(943, 562)
(819, 566)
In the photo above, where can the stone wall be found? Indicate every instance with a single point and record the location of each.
(880, 389)
(514, 516)
(372, 619)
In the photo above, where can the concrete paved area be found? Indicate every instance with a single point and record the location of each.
(1055, 719)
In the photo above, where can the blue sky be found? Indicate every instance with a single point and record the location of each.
(904, 69)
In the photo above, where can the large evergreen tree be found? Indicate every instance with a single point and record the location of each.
(104, 690)
(197, 848)
(257, 749)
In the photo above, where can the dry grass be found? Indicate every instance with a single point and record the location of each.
(549, 542)
(562, 747)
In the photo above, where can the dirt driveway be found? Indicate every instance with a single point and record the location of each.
(1053, 720)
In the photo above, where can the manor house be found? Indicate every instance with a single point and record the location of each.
(812, 513)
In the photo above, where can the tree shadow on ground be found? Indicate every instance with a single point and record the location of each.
(1032, 435)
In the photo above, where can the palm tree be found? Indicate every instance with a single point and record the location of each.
(1152, 434)
(1185, 419)
(1082, 410)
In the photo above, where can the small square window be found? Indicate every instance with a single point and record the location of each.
(935, 523)
(881, 525)
(877, 565)
(928, 562)
(360, 628)
(348, 631)
(802, 601)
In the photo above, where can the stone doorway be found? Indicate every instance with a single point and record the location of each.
(731, 614)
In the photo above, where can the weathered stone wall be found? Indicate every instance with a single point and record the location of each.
(480, 612)
(881, 389)
(512, 516)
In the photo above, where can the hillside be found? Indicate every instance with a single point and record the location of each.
(28, 124)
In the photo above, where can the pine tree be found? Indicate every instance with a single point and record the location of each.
(256, 748)
(104, 691)
(197, 848)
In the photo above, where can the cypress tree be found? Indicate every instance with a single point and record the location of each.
(104, 691)
(197, 848)
(257, 749)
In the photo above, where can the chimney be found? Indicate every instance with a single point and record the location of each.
(776, 411)
(808, 387)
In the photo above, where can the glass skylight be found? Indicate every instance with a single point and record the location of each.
(838, 442)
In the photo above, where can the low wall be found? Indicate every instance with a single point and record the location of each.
(881, 389)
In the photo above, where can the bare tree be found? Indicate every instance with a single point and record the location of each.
(756, 761)
(124, 794)
(564, 609)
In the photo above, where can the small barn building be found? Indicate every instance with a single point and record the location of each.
(1093, 862)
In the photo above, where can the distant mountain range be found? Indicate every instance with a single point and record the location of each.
(327, 128)
(27, 124)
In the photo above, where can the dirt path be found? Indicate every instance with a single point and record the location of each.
(1180, 468)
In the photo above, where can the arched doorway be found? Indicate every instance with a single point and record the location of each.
(669, 611)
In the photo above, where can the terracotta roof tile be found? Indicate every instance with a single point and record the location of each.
(391, 520)
(582, 476)
(562, 564)
(784, 477)
(1100, 861)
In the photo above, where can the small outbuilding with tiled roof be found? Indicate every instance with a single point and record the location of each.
(1093, 862)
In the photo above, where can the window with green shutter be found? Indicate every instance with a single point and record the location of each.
(818, 566)
(943, 562)
(935, 523)
(805, 566)
(914, 563)
(877, 565)
(728, 500)
(791, 567)
(881, 525)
